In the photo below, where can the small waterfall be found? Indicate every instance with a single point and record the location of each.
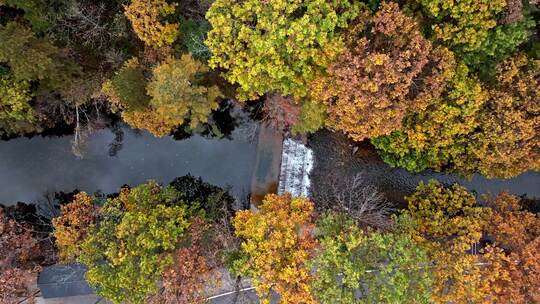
(296, 165)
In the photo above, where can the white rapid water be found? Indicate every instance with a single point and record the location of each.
(296, 165)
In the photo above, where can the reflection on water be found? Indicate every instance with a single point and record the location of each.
(333, 153)
(31, 167)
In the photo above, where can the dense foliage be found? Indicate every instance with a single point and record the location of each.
(145, 18)
(276, 45)
(434, 84)
(514, 258)
(142, 237)
(385, 267)
(123, 251)
(374, 81)
(71, 228)
(277, 243)
(431, 84)
(18, 251)
(446, 223)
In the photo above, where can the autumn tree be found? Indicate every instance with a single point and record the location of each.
(128, 248)
(15, 96)
(177, 89)
(280, 112)
(18, 251)
(147, 18)
(277, 242)
(35, 58)
(71, 227)
(276, 46)
(312, 117)
(510, 121)
(446, 222)
(127, 88)
(28, 57)
(379, 76)
(355, 266)
(440, 136)
(513, 262)
(461, 25)
(178, 95)
(501, 42)
(194, 267)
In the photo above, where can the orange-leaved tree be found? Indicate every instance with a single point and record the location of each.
(194, 267)
(19, 250)
(513, 270)
(387, 69)
(510, 122)
(277, 243)
(71, 227)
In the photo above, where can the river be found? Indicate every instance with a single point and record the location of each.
(31, 167)
(333, 153)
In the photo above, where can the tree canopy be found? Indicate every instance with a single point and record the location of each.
(276, 45)
(276, 244)
(124, 250)
(381, 267)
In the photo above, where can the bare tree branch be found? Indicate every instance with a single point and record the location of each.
(355, 198)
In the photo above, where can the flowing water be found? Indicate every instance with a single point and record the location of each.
(334, 153)
(32, 167)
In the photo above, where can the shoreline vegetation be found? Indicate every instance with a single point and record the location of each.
(441, 87)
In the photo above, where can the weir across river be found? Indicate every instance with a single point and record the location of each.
(282, 165)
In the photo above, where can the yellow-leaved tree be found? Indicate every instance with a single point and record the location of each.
(446, 223)
(176, 94)
(146, 17)
(277, 243)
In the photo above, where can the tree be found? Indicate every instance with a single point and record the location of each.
(178, 95)
(34, 10)
(461, 25)
(34, 58)
(128, 248)
(277, 242)
(146, 18)
(177, 89)
(499, 44)
(276, 46)
(280, 112)
(194, 267)
(510, 121)
(446, 223)
(127, 88)
(18, 251)
(29, 57)
(440, 136)
(15, 106)
(513, 263)
(360, 201)
(357, 266)
(312, 117)
(71, 227)
(371, 85)
(193, 34)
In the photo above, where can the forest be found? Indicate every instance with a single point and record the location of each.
(441, 86)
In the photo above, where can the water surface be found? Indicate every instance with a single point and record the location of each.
(334, 153)
(30, 167)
